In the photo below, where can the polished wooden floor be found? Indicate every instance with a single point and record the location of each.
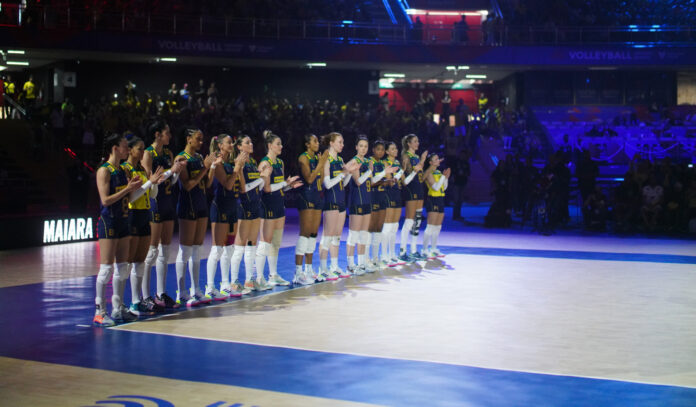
(507, 318)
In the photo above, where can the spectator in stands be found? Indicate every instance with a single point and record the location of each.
(10, 91)
(461, 170)
(461, 31)
(185, 96)
(446, 105)
(173, 93)
(417, 30)
(586, 171)
(652, 203)
(201, 93)
(482, 102)
(29, 95)
(212, 95)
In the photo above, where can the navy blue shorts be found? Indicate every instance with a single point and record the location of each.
(139, 222)
(192, 212)
(272, 207)
(380, 200)
(331, 206)
(413, 191)
(162, 211)
(365, 209)
(435, 204)
(223, 215)
(112, 228)
(249, 211)
(394, 198)
(310, 200)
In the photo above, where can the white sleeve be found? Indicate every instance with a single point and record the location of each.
(346, 180)
(399, 174)
(278, 185)
(410, 177)
(140, 191)
(378, 177)
(258, 183)
(330, 182)
(446, 184)
(364, 177)
(439, 183)
(154, 191)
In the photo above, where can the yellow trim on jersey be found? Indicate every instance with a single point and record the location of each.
(143, 202)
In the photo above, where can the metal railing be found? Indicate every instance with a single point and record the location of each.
(50, 18)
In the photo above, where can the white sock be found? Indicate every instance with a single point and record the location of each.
(195, 268)
(405, 233)
(361, 259)
(335, 241)
(136, 280)
(261, 253)
(182, 259)
(211, 267)
(105, 273)
(161, 268)
(119, 283)
(298, 270)
(426, 237)
(273, 253)
(351, 261)
(150, 261)
(414, 244)
(322, 264)
(225, 260)
(249, 258)
(235, 261)
(376, 240)
(435, 235)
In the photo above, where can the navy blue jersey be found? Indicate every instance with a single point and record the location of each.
(315, 186)
(277, 176)
(165, 193)
(414, 160)
(360, 194)
(195, 198)
(251, 173)
(221, 195)
(117, 182)
(335, 194)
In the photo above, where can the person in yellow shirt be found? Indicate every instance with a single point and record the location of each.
(10, 92)
(29, 91)
(434, 204)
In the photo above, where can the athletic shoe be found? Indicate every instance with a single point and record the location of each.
(370, 267)
(138, 308)
(276, 279)
(182, 298)
(359, 270)
(333, 275)
(165, 301)
(301, 279)
(437, 253)
(351, 269)
(102, 319)
(310, 275)
(398, 261)
(152, 306)
(197, 299)
(249, 286)
(229, 293)
(393, 263)
(418, 256)
(214, 295)
(430, 256)
(322, 276)
(123, 315)
(341, 273)
(382, 264)
(405, 258)
(238, 289)
(260, 284)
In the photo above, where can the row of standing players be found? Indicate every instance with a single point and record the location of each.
(139, 205)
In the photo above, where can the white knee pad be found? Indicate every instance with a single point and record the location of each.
(311, 245)
(121, 271)
(325, 241)
(105, 272)
(151, 255)
(277, 239)
(301, 247)
(365, 237)
(163, 254)
(215, 253)
(184, 253)
(263, 249)
(353, 237)
(336, 241)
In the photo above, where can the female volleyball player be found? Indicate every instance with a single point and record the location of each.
(139, 226)
(309, 207)
(248, 213)
(273, 211)
(192, 211)
(163, 209)
(413, 195)
(434, 205)
(112, 230)
(360, 209)
(380, 202)
(336, 177)
(393, 213)
(223, 214)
